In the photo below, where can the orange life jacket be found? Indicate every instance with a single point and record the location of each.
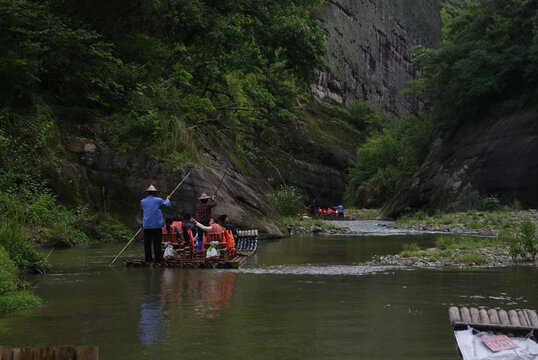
(230, 241)
(215, 229)
(177, 227)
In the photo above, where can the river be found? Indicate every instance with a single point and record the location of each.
(303, 297)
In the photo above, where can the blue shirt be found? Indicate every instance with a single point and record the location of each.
(153, 217)
(340, 208)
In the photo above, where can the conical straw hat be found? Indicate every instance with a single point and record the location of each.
(203, 196)
(151, 188)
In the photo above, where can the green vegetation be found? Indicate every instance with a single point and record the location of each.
(524, 245)
(471, 259)
(491, 203)
(388, 159)
(287, 200)
(152, 76)
(411, 250)
(163, 70)
(488, 57)
(10, 299)
(502, 221)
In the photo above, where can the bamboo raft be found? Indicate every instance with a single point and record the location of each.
(515, 324)
(247, 244)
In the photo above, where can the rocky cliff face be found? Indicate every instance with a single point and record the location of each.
(105, 180)
(368, 44)
(497, 156)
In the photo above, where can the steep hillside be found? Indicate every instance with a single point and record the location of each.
(368, 46)
(497, 156)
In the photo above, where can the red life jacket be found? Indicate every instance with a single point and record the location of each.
(216, 229)
(177, 227)
(230, 241)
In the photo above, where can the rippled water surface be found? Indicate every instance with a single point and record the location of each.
(304, 297)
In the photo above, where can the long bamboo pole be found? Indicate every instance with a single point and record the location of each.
(220, 183)
(139, 230)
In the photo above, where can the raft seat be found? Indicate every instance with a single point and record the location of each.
(171, 238)
(222, 245)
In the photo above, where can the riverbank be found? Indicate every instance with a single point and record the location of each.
(484, 223)
(519, 248)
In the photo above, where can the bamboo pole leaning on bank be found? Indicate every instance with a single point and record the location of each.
(139, 230)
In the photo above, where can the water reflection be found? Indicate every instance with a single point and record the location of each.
(201, 294)
(153, 327)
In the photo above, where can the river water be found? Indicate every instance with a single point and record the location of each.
(304, 297)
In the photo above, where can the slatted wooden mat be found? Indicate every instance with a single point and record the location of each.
(511, 322)
(521, 318)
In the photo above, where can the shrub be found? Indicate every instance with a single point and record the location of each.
(420, 215)
(14, 239)
(524, 244)
(287, 200)
(17, 301)
(8, 273)
(111, 229)
(472, 258)
(409, 250)
(444, 242)
(491, 203)
(527, 238)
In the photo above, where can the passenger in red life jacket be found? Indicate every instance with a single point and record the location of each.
(213, 227)
(167, 228)
(177, 225)
(320, 212)
(230, 233)
(324, 212)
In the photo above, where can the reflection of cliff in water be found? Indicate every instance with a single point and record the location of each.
(202, 294)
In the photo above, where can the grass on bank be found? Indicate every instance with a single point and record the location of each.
(468, 250)
(11, 296)
(496, 222)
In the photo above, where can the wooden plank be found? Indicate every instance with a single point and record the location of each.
(514, 319)
(532, 317)
(503, 316)
(23, 353)
(454, 314)
(66, 353)
(5, 352)
(503, 329)
(88, 352)
(44, 353)
(522, 319)
(484, 318)
(493, 316)
(465, 315)
(475, 315)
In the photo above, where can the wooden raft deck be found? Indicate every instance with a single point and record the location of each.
(512, 322)
(197, 263)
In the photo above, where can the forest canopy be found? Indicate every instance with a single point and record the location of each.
(158, 68)
(489, 55)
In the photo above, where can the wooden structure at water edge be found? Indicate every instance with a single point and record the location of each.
(246, 246)
(494, 331)
(86, 352)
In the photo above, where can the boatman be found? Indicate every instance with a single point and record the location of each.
(152, 223)
(203, 214)
(340, 210)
